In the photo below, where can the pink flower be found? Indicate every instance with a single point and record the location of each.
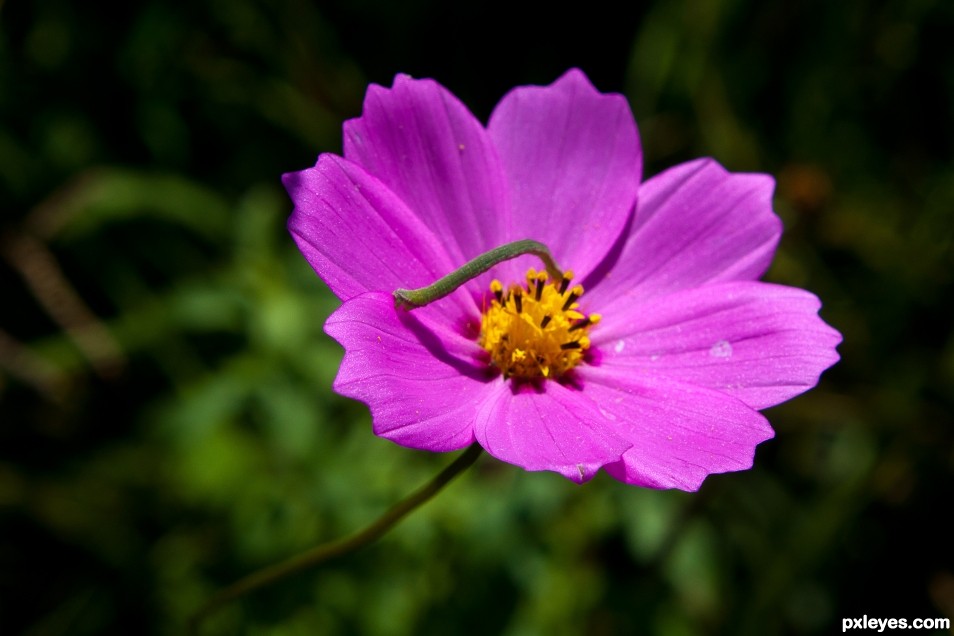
(655, 373)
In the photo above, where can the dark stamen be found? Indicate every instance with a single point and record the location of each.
(570, 300)
(538, 290)
(570, 345)
(580, 325)
(564, 283)
(546, 321)
(499, 294)
(518, 301)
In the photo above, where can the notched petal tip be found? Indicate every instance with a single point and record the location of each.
(577, 78)
(575, 75)
(579, 473)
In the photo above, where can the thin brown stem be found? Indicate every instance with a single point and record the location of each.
(339, 547)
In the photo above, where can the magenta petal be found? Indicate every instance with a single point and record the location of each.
(573, 163)
(425, 145)
(556, 429)
(758, 342)
(680, 433)
(695, 224)
(418, 376)
(359, 236)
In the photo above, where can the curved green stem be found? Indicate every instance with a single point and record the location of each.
(412, 298)
(327, 551)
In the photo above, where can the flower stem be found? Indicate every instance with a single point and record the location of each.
(413, 298)
(327, 551)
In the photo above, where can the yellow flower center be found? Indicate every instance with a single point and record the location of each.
(537, 330)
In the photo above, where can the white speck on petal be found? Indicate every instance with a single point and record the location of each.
(721, 349)
(620, 345)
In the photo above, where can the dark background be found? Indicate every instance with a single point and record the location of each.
(166, 417)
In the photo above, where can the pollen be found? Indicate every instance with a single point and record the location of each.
(536, 330)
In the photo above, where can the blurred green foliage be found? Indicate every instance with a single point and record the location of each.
(166, 418)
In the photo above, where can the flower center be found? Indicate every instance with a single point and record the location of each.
(537, 330)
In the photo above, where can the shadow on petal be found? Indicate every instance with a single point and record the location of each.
(474, 369)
